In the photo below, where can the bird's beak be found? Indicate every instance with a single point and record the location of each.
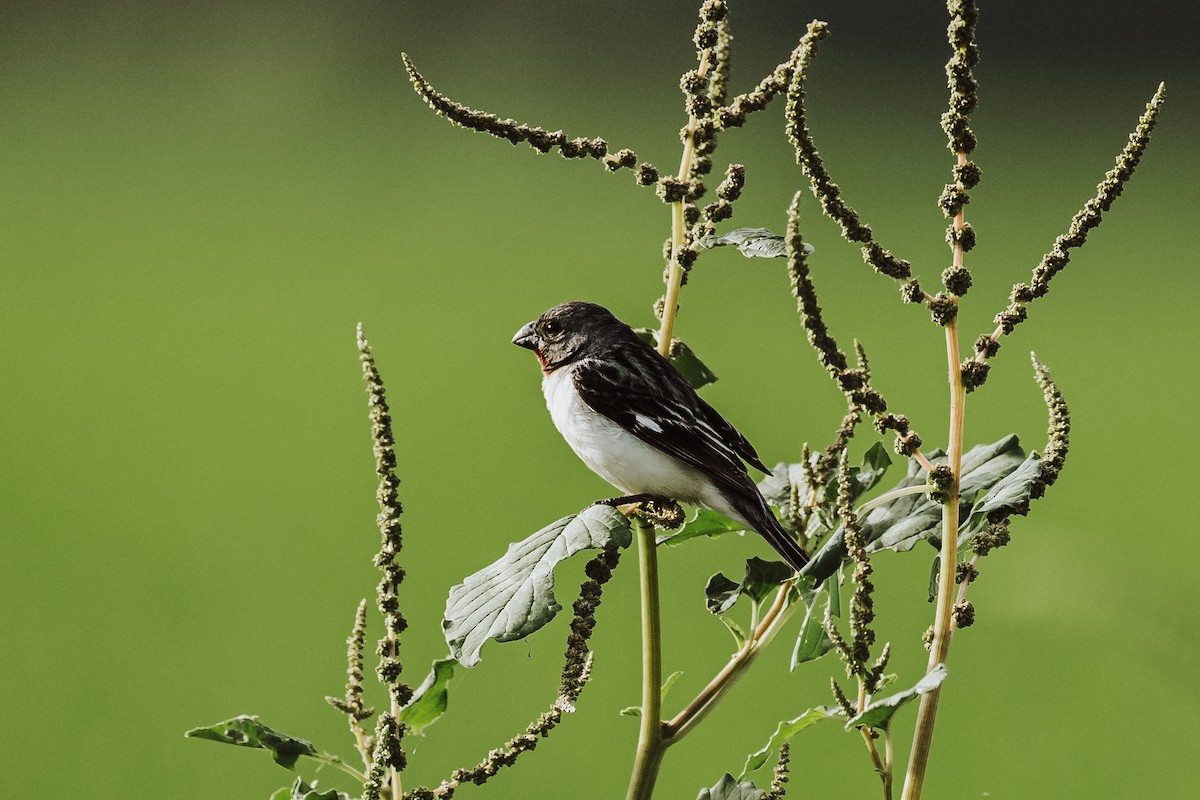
(526, 337)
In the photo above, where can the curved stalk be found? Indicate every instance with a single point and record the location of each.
(710, 695)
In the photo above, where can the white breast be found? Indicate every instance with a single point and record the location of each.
(615, 454)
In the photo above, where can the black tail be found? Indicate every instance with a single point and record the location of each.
(759, 517)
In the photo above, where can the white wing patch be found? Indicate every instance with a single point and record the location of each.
(646, 422)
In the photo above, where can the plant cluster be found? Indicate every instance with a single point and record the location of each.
(959, 500)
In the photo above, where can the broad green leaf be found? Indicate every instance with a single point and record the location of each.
(705, 523)
(874, 466)
(683, 358)
(302, 791)
(763, 578)
(249, 731)
(760, 580)
(878, 714)
(785, 731)
(728, 788)
(753, 243)
(430, 699)
(812, 641)
(720, 593)
(833, 608)
(514, 596)
(1010, 495)
(907, 520)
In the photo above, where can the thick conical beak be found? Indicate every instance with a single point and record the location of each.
(526, 337)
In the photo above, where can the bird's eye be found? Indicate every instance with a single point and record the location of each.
(550, 327)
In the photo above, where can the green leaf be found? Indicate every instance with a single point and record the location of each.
(764, 577)
(874, 466)
(249, 731)
(668, 683)
(785, 731)
(739, 635)
(777, 487)
(513, 597)
(720, 593)
(833, 607)
(636, 711)
(934, 577)
(812, 642)
(430, 699)
(683, 358)
(907, 520)
(760, 580)
(302, 791)
(705, 523)
(878, 714)
(728, 788)
(753, 243)
(1010, 495)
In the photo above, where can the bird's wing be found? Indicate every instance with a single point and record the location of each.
(646, 396)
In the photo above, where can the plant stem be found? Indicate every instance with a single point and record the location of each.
(888, 764)
(888, 497)
(760, 637)
(650, 739)
(675, 271)
(334, 761)
(943, 625)
(882, 769)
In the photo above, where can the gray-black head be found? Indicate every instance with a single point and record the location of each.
(571, 331)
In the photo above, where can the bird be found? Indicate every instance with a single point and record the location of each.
(638, 424)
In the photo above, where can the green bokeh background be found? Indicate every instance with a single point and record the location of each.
(201, 200)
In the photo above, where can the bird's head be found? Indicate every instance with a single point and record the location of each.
(569, 332)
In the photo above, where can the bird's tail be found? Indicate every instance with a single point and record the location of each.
(754, 512)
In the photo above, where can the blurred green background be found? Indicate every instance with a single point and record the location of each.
(200, 200)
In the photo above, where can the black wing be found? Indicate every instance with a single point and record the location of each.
(638, 389)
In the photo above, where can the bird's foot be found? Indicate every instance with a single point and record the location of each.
(655, 509)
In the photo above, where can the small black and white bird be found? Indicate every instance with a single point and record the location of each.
(634, 420)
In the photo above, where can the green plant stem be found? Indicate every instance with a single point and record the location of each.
(895, 494)
(706, 700)
(869, 738)
(889, 762)
(650, 745)
(675, 271)
(943, 625)
(334, 761)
